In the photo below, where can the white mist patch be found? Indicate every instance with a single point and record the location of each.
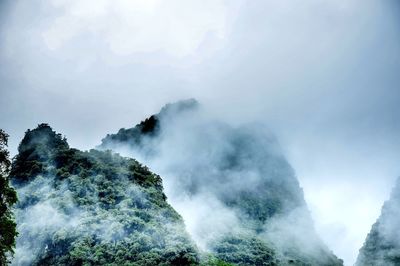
(49, 217)
(206, 218)
(292, 232)
(344, 215)
(41, 218)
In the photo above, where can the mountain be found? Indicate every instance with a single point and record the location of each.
(92, 208)
(382, 245)
(237, 193)
(138, 136)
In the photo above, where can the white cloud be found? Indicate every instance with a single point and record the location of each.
(175, 27)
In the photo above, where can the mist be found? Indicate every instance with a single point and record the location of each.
(227, 182)
(91, 206)
(322, 76)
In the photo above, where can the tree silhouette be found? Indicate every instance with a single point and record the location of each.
(8, 197)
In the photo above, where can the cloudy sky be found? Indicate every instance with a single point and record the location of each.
(323, 75)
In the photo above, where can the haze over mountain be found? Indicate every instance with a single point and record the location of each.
(323, 75)
(92, 208)
(235, 190)
(237, 195)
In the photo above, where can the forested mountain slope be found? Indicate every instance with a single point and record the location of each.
(92, 208)
(237, 193)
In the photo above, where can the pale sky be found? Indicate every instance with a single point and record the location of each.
(322, 74)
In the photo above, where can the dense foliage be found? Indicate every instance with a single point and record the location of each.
(36, 152)
(92, 208)
(8, 197)
(382, 245)
(244, 250)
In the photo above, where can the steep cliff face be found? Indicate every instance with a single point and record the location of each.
(237, 193)
(92, 208)
(382, 245)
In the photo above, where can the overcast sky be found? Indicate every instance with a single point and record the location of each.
(324, 76)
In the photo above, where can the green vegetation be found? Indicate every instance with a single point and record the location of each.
(8, 198)
(244, 250)
(210, 260)
(103, 209)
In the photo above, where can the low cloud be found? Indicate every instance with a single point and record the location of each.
(225, 180)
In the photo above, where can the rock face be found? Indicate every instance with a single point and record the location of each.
(382, 246)
(92, 208)
(234, 188)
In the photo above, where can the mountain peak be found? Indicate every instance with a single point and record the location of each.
(44, 135)
(150, 126)
(36, 149)
(246, 195)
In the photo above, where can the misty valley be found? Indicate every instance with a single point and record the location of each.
(179, 188)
